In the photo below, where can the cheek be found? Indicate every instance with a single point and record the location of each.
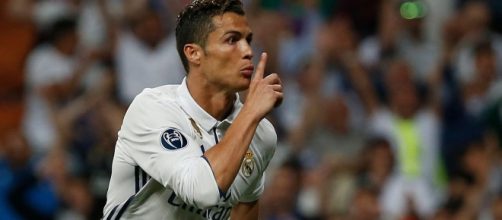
(222, 62)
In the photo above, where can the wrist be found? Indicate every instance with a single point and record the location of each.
(250, 115)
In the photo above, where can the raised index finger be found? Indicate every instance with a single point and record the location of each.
(260, 69)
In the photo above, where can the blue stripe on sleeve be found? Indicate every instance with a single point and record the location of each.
(122, 210)
(222, 194)
(136, 179)
(145, 176)
(111, 213)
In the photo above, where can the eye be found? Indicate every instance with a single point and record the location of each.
(249, 39)
(232, 40)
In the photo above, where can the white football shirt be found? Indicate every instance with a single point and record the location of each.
(159, 171)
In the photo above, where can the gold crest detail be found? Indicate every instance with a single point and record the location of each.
(195, 127)
(248, 164)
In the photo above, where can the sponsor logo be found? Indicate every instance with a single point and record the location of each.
(217, 212)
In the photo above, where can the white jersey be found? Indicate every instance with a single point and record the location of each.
(159, 170)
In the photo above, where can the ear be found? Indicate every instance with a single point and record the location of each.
(193, 52)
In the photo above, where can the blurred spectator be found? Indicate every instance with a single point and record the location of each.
(43, 13)
(297, 42)
(78, 201)
(472, 191)
(412, 127)
(486, 177)
(334, 134)
(483, 85)
(360, 12)
(375, 49)
(145, 54)
(466, 104)
(24, 192)
(475, 28)
(378, 164)
(54, 73)
(296, 113)
(438, 12)
(365, 205)
(401, 34)
(345, 178)
(280, 197)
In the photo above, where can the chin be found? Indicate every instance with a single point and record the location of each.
(242, 88)
(242, 85)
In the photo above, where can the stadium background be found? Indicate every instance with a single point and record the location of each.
(393, 108)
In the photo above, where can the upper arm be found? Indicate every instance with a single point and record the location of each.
(168, 153)
(245, 210)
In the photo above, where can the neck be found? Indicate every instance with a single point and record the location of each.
(215, 101)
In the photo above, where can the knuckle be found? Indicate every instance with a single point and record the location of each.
(272, 75)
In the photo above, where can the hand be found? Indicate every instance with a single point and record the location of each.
(264, 93)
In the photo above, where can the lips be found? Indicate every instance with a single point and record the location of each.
(248, 71)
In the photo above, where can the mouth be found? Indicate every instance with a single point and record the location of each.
(247, 71)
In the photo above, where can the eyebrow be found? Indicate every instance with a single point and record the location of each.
(248, 36)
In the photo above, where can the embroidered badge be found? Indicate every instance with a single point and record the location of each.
(248, 164)
(173, 139)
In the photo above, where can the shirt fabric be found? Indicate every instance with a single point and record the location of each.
(159, 171)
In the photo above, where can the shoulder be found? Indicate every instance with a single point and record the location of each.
(45, 66)
(266, 137)
(40, 51)
(267, 130)
(154, 108)
(156, 96)
(41, 55)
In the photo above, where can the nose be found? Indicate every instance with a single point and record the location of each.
(247, 50)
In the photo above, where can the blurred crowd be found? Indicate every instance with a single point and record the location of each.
(392, 109)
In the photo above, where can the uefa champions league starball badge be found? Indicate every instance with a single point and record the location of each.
(248, 164)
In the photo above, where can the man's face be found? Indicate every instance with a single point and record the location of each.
(226, 60)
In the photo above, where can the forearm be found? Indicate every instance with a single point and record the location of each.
(226, 156)
(245, 211)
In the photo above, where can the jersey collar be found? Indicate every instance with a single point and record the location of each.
(204, 119)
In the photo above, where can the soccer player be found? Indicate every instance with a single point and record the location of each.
(194, 151)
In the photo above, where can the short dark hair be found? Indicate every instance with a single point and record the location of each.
(61, 27)
(195, 22)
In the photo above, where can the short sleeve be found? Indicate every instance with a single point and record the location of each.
(255, 190)
(266, 138)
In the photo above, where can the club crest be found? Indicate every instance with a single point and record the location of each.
(248, 164)
(172, 139)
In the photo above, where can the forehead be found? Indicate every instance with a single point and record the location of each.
(230, 22)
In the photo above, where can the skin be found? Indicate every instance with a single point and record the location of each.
(216, 72)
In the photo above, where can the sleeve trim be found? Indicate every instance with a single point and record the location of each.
(222, 194)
